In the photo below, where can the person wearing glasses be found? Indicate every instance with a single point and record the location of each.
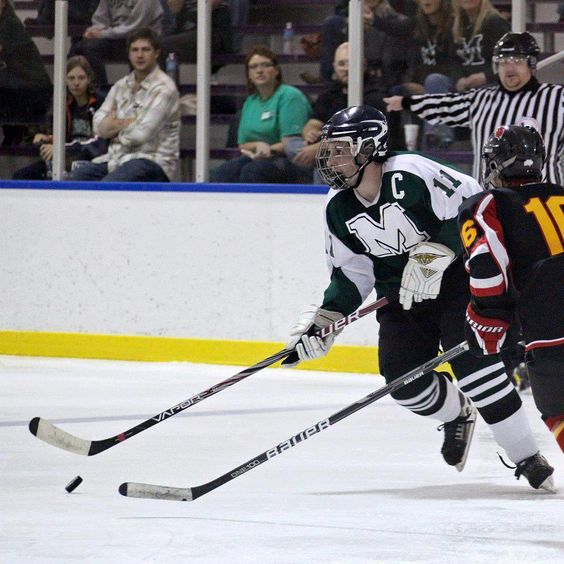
(272, 119)
(517, 95)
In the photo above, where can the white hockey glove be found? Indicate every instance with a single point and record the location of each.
(308, 347)
(422, 275)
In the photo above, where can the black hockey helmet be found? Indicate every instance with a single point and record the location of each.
(516, 45)
(360, 132)
(515, 154)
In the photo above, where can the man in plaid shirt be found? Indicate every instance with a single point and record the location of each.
(141, 118)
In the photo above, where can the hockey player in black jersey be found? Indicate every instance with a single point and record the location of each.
(391, 225)
(514, 237)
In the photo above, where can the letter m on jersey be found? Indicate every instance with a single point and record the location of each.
(394, 234)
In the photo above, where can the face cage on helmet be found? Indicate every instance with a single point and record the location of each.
(330, 173)
(531, 61)
(491, 170)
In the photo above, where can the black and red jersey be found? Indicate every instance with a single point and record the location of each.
(514, 239)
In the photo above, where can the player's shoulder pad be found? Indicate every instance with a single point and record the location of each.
(337, 199)
(420, 164)
(331, 194)
(469, 205)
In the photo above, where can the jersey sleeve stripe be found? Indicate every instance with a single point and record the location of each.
(485, 287)
(539, 344)
(493, 232)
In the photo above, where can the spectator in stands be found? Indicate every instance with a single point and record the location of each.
(272, 118)
(477, 27)
(334, 99)
(389, 46)
(385, 53)
(141, 118)
(25, 87)
(81, 143)
(457, 60)
(433, 66)
(112, 22)
(183, 38)
(79, 12)
(517, 96)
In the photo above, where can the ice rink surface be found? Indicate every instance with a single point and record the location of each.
(372, 488)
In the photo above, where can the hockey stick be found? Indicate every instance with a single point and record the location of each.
(55, 436)
(150, 491)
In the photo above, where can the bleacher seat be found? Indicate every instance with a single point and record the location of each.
(265, 25)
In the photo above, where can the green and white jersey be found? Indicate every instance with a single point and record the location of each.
(368, 243)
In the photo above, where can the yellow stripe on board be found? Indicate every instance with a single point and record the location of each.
(342, 358)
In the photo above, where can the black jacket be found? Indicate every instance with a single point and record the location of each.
(20, 60)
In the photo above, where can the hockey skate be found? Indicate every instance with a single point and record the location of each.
(458, 435)
(538, 472)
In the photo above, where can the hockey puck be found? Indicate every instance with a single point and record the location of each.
(73, 484)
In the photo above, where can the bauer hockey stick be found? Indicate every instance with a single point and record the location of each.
(55, 436)
(150, 491)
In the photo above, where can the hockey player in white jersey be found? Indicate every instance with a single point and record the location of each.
(391, 225)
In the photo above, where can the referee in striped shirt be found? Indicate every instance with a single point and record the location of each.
(518, 96)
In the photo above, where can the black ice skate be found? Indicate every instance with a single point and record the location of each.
(458, 435)
(538, 472)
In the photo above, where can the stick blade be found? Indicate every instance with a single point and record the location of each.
(150, 491)
(48, 433)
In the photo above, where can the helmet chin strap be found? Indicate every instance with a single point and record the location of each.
(360, 172)
(494, 173)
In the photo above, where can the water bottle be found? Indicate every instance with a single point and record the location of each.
(288, 39)
(171, 67)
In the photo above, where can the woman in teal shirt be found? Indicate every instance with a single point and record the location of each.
(272, 120)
